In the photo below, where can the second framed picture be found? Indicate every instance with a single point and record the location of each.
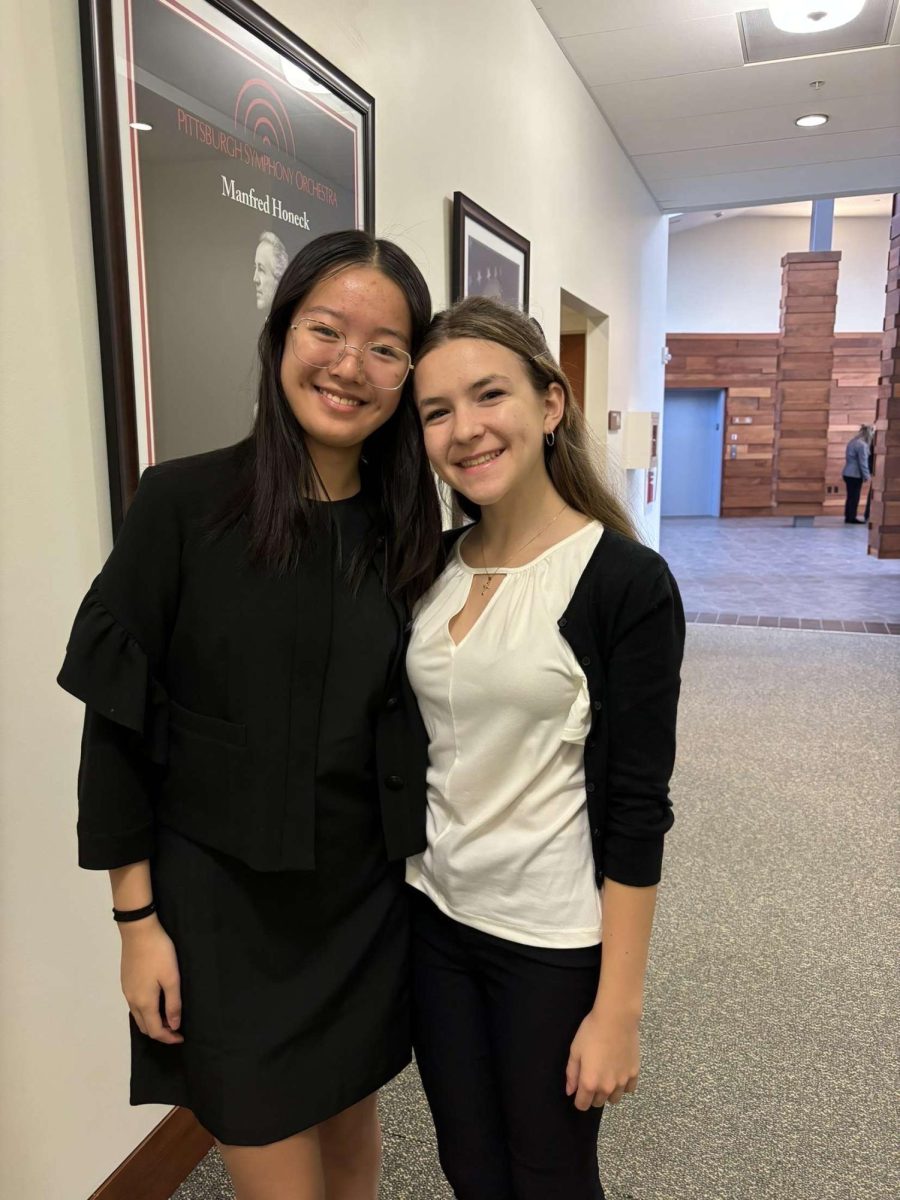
(489, 258)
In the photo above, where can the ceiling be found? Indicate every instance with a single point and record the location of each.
(704, 130)
(844, 206)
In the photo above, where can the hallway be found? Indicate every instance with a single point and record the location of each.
(769, 1034)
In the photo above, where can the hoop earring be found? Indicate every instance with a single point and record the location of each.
(550, 439)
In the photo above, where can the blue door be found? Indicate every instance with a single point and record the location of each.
(691, 476)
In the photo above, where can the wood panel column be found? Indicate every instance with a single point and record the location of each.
(884, 527)
(803, 381)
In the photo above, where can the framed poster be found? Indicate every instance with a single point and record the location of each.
(489, 258)
(218, 145)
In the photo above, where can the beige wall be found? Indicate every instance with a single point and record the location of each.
(470, 96)
(725, 276)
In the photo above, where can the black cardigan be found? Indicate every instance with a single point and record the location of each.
(625, 624)
(202, 678)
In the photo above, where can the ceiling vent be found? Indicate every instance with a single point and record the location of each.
(762, 41)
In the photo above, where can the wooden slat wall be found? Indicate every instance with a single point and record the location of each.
(803, 388)
(743, 365)
(854, 397)
(884, 529)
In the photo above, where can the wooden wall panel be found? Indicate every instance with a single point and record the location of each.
(884, 528)
(854, 397)
(744, 366)
(808, 287)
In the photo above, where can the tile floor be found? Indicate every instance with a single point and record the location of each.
(764, 571)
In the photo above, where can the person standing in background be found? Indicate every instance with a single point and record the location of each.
(856, 472)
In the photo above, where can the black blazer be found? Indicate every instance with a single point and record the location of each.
(625, 624)
(202, 678)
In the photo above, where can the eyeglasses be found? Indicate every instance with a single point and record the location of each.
(318, 345)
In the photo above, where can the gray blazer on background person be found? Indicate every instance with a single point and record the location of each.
(856, 465)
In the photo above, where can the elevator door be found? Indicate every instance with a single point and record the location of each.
(691, 481)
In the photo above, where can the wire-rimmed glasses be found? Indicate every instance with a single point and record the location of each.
(319, 345)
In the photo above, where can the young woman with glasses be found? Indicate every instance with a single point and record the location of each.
(545, 659)
(252, 757)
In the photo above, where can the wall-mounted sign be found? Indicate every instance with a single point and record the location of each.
(219, 144)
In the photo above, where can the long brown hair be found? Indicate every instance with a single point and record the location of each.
(279, 475)
(573, 461)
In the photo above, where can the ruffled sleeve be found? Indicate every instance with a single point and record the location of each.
(114, 664)
(578, 721)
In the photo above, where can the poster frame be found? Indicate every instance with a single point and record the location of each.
(108, 210)
(465, 209)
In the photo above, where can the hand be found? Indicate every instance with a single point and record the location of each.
(150, 967)
(604, 1059)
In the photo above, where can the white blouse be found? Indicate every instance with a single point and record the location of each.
(507, 713)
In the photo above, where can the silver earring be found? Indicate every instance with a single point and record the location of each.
(550, 438)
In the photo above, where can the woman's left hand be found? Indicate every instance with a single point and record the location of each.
(604, 1059)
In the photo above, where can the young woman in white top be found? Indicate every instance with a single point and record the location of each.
(545, 660)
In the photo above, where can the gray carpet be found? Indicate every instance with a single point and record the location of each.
(770, 1035)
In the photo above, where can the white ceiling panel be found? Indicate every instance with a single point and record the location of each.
(706, 130)
(760, 156)
(815, 182)
(680, 48)
(571, 17)
(877, 110)
(753, 87)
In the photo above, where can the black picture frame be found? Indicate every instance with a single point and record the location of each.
(488, 257)
(342, 117)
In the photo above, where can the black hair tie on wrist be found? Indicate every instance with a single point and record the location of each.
(133, 914)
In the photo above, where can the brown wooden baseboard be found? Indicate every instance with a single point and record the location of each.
(161, 1163)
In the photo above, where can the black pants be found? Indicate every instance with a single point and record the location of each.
(492, 1026)
(854, 487)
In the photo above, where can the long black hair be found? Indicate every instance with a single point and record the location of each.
(279, 476)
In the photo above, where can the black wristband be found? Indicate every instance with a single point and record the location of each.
(133, 914)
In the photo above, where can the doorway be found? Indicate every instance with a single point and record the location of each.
(691, 483)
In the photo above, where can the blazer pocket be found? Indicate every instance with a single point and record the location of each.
(213, 728)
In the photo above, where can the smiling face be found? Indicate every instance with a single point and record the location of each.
(335, 406)
(484, 420)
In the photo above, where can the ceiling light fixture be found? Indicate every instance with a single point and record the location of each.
(141, 126)
(807, 16)
(811, 120)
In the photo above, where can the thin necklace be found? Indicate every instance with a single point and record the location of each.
(488, 576)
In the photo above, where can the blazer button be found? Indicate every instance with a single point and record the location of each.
(598, 704)
(562, 622)
(588, 787)
(596, 832)
(586, 661)
(392, 703)
(394, 782)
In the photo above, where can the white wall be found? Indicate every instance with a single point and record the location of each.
(499, 115)
(725, 276)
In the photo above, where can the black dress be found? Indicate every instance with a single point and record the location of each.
(294, 983)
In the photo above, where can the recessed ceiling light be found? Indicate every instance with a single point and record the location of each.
(807, 16)
(812, 119)
(141, 125)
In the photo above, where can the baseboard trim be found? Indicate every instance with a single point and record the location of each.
(161, 1163)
